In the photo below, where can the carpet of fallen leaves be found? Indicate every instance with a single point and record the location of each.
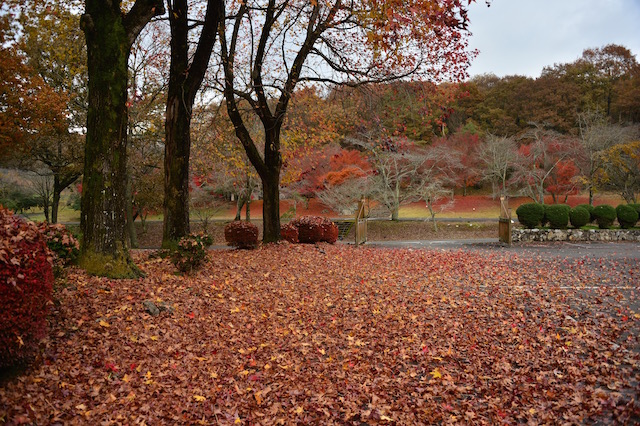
(304, 334)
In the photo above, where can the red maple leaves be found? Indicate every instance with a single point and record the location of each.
(337, 335)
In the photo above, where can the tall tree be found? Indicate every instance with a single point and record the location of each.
(607, 65)
(538, 160)
(465, 147)
(186, 73)
(109, 33)
(63, 67)
(621, 170)
(498, 155)
(269, 47)
(596, 135)
(28, 106)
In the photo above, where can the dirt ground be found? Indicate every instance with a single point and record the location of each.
(377, 231)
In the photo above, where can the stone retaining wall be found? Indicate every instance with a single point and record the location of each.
(519, 235)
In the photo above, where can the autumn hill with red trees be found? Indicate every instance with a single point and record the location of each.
(408, 141)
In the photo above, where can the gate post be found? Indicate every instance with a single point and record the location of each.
(361, 223)
(504, 222)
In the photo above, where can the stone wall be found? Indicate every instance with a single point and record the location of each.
(519, 235)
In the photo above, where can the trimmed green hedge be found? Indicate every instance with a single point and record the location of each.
(557, 215)
(627, 216)
(604, 215)
(579, 217)
(530, 215)
(589, 208)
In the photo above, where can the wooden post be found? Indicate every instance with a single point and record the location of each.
(361, 223)
(504, 222)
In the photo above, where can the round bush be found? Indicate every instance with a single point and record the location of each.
(26, 286)
(627, 216)
(579, 217)
(589, 208)
(604, 216)
(289, 232)
(530, 215)
(557, 215)
(636, 206)
(313, 229)
(191, 252)
(243, 235)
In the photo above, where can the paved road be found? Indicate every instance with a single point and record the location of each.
(572, 250)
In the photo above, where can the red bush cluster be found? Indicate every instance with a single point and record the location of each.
(289, 232)
(241, 234)
(313, 229)
(26, 286)
(64, 247)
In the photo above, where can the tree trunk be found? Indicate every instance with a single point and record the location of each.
(60, 182)
(131, 227)
(184, 81)
(45, 202)
(271, 207)
(176, 169)
(248, 201)
(109, 34)
(395, 213)
(239, 205)
(55, 202)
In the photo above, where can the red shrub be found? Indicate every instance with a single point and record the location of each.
(64, 247)
(289, 232)
(313, 229)
(241, 234)
(26, 286)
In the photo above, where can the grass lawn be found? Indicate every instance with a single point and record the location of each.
(321, 334)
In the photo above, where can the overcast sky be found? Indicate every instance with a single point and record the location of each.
(523, 36)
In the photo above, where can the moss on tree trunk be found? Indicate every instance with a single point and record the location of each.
(109, 34)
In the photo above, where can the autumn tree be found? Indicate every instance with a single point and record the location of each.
(62, 67)
(186, 72)
(268, 48)
(404, 172)
(502, 110)
(625, 107)
(344, 181)
(605, 66)
(498, 155)
(465, 146)
(314, 124)
(596, 135)
(563, 181)
(110, 32)
(621, 170)
(28, 105)
(218, 163)
(397, 179)
(538, 159)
